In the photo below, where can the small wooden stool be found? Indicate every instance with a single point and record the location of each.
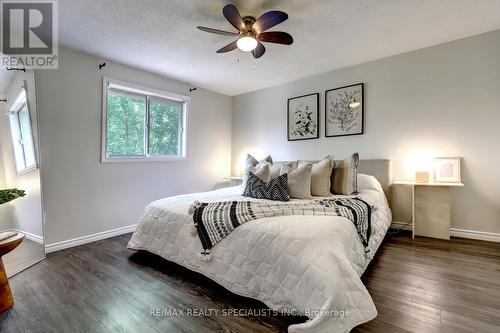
(7, 245)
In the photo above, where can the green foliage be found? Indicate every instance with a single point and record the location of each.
(126, 132)
(304, 126)
(164, 125)
(10, 194)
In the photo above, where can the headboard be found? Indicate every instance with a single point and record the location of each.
(380, 169)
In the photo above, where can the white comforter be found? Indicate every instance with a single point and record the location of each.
(307, 264)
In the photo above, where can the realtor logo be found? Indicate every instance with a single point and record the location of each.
(29, 34)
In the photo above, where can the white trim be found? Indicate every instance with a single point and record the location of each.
(129, 159)
(462, 233)
(149, 92)
(29, 235)
(472, 234)
(89, 238)
(122, 85)
(33, 237)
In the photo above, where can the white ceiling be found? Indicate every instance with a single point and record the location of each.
(161, 35)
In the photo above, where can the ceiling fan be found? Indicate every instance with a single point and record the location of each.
(252, 31)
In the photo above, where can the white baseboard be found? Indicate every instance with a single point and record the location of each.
(30, 236)
(462, 233)
(89, 239)
(472, 234)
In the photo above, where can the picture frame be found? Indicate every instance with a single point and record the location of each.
(447, 170)
(344, 110)
(303, 117)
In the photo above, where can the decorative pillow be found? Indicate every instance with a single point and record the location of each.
(251, 164)
(262, 170)
(346, 176)
(250, 160)
(275, 189)
(299, 180)
(320, 176)
(275, 170)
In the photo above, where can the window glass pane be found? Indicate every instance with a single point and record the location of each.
(16, 142)
(165, 127)
(126, 117)
(27, 137)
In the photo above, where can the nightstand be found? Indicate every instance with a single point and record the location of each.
(234, 181)
(431, 208)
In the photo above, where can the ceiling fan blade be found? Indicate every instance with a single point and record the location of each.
(228, 47)
(259, 51)
(232, 14)
(277, 37)
(269, 20)
(217, 31)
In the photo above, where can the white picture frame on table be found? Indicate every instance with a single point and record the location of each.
(447, 170)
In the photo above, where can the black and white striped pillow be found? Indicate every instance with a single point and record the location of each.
(275, 189)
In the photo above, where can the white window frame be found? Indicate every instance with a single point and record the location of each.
(137, 89)
(14, 116)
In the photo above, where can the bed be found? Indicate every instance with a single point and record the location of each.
(307, 265)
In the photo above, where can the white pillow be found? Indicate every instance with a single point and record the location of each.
(367, 182)
(299, 180)
(250, 160)
(262, 170)
(320, 177)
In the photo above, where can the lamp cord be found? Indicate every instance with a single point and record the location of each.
(399, 229)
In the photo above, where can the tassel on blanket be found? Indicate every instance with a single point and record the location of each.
(368, 254)
(193, 207)
(206, 256)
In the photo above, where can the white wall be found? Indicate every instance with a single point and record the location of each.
(6, 220)
(439, 101)
(2, 171)
(83, 196)
(24, 213)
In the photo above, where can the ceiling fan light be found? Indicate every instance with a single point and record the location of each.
(354, 104)
(246, 43)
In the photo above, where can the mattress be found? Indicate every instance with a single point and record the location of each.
(310, 265)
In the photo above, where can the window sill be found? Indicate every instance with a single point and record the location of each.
(26, 171)
(142, 159)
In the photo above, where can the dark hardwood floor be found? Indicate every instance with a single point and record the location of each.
(421, 285)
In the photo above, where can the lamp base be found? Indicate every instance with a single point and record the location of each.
(422, 176)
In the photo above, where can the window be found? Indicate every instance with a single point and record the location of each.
(142, 124)
(22, 137)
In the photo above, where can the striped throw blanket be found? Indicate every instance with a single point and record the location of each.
(215, 220)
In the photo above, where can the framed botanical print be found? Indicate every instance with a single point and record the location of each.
(447, 170)
(344, 108)
(303, 117)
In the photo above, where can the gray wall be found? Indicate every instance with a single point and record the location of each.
(439, 101)
(83, 196)
(25, 213)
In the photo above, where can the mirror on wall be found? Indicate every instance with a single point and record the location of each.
(21, 217)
